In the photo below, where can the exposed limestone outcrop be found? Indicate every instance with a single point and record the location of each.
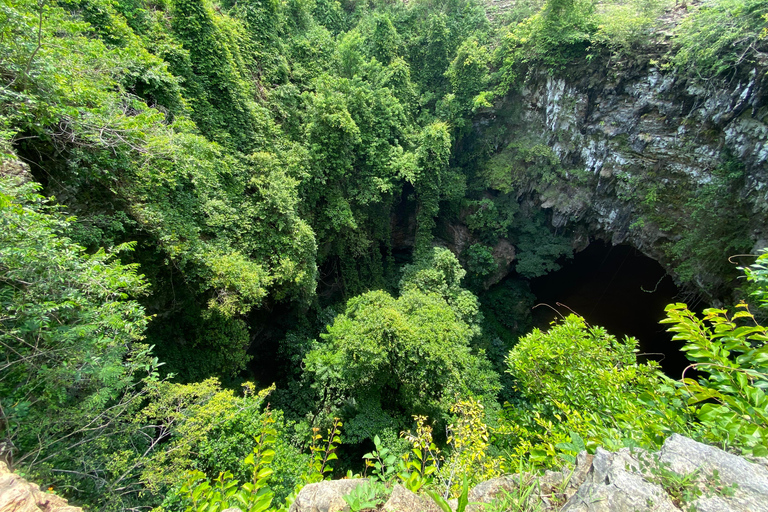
(683, 475)
(551, 490)
(327, 496)
(647, 123)
(633, 141)
(615, 483)
(403, 499)
(18, 495)
(749, 480)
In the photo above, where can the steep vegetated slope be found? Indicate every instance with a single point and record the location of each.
(323, 194)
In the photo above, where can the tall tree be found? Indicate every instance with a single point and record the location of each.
(386, 359)
(73, 363)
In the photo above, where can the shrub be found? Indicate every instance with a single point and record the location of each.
(719, 36)
(578, 383)
(730, 352)
(386, 359)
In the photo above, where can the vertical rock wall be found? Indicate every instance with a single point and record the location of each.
(637, 148)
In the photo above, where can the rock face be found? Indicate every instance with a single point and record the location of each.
(748, 480)
(614, 483)
(548, 492)
(18, 495)
(633, 143)
(683, 475)
(14, 168)
(325, 496)
(402, 499)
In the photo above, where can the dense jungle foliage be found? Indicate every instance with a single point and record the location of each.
(219, 195)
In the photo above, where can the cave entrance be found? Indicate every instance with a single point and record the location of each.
(619, 288)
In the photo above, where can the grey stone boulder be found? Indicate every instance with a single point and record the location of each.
(750, 493)
(615, 483)
(498, 489)
(326, 496)
(551, 490)
(642, 481)
(403, 500)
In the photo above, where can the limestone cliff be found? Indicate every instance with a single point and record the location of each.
(645, 157)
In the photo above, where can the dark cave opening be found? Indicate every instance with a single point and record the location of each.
(616, 287)
(619, 288)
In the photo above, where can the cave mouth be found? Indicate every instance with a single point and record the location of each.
(619, 288)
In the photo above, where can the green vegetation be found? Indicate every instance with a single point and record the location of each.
(719, 38)
(253, 496)
(199, 198)
(581, 388)
(714, 205)
(713, 223)
(387, 359)
(367, 496)
(75, 369)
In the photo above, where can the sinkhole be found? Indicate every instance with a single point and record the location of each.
(619, 288)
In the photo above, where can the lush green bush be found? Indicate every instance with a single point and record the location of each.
(468, 75)
(714, 227)
(74, 366)
(206, 431)
(730, 400)
(720, 36)
(627, 26)
(729, 350)
(577, 382)
(432, 180)
(539, 249)
(757, 275)
(557, 33)
(492, 218)
(480, 260)
(579, 365)
(386, 359)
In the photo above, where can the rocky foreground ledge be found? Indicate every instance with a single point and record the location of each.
(684, 475)
(18, 495)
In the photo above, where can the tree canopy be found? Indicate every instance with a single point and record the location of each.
(201, 198)
(388, 359)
